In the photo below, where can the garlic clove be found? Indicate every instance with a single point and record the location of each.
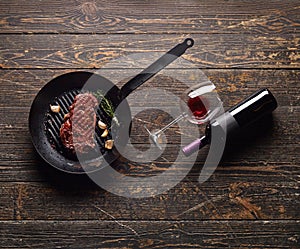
(105, 133)
(102, 125)
(66, 116)
(55, 108)
(109, 144)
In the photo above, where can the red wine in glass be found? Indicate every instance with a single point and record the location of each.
(197, 107)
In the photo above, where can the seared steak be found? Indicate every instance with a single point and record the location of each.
(78, 128)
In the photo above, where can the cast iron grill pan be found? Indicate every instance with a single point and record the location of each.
(44, 126)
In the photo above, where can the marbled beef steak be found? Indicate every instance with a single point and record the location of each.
(80, 123)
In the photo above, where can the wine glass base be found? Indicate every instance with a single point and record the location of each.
(155, 137)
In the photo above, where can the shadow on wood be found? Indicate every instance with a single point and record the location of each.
(62, 180)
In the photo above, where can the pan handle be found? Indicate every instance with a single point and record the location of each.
(155, 67)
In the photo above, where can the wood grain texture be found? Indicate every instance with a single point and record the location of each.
(93, 51)
(239, 192)
(19, 87)
(180, 17)
(252, 199)
(145, 234)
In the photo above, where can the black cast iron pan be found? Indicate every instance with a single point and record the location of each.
(44, 125)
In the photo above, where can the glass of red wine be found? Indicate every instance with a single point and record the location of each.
(199, 104)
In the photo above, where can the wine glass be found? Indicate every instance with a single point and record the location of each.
(199, 104)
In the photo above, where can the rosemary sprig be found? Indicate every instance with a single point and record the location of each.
(106, 105)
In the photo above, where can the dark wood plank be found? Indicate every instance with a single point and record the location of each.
(122, 234)
(180, 17)
(233, 192)
(19, 87)
(93, 51)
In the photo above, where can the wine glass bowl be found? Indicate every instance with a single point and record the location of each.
(200, 103)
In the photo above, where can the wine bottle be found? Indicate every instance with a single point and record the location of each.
(244, 113)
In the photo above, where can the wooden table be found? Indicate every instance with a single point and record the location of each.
(252, 199)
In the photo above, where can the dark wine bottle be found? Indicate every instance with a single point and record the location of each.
(244, 113)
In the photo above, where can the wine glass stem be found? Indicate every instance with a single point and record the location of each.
(183, 115)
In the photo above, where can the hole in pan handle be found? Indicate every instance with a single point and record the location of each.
(156, 66)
